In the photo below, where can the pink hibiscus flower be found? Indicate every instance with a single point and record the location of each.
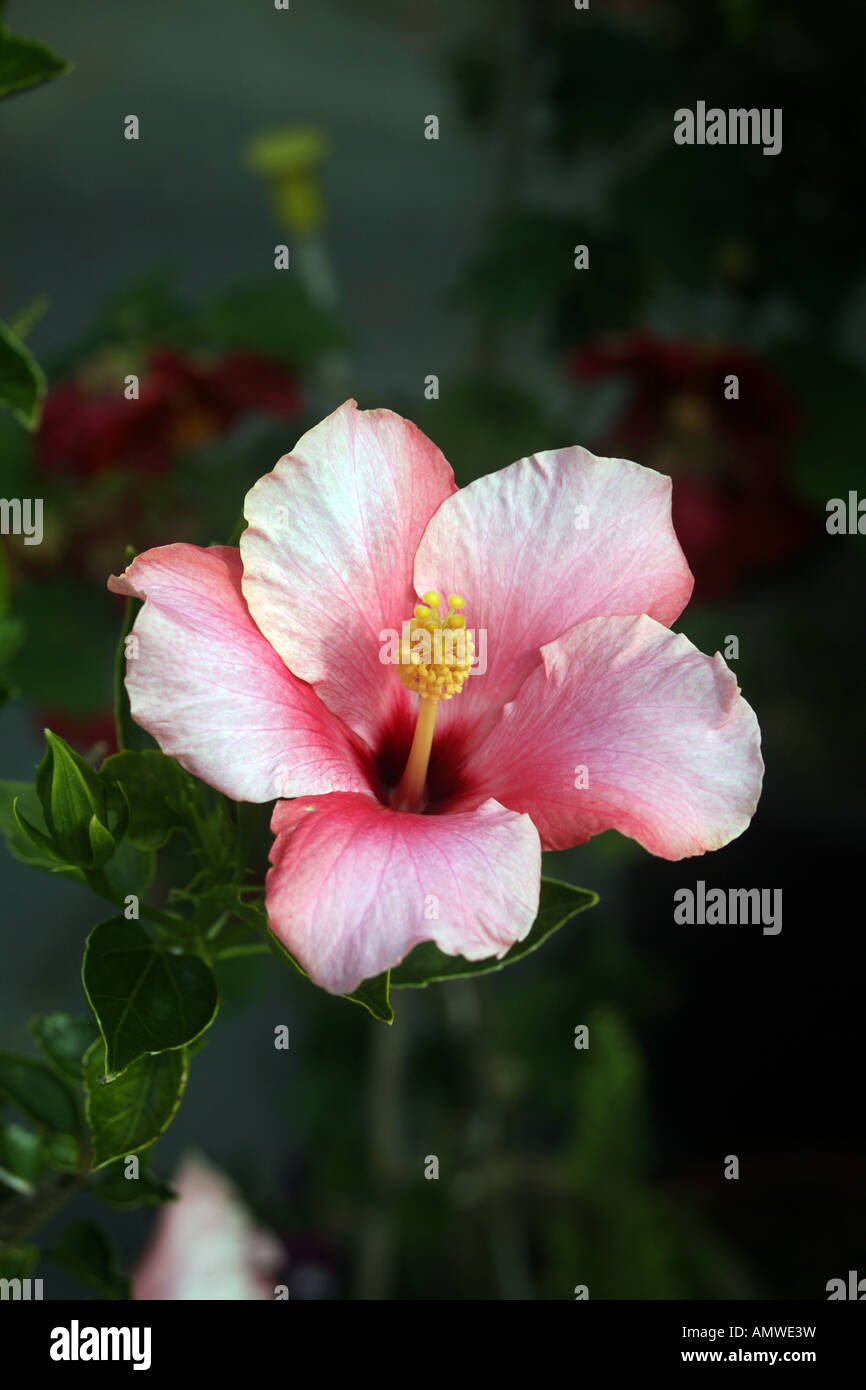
(205, 1245)
(403, 818)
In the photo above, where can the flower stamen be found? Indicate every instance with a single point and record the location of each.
(435, 652)
(435, 659)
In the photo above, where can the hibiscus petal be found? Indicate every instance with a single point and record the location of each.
(671, 750)
(328, 555)
(551, 541)
(205, 1245)
(213, 692)
(354, 885)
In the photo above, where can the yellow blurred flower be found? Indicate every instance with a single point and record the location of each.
(288, 159)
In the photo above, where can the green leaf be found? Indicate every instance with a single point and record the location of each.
(35, 1090)
(129, 871)
(25, 794)
(131, 1112)
(27, 318)
(101, 841)
(61, 1151)
(158, 791)
(226, 899)
(38, 852)
(75, 805)
(38, 838)
(9, 1179)
(86, 1250)
(21, 1160)
(372, 994)
(558, 904)
(113, 1186)
(18, 1262)
(64, 1039)
(26, 62)
(25, 1156)
(147, 999)
(22, 381)
(16, 469)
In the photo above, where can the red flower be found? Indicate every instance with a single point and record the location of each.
(89, 426)
(90, 734)
(733, 508)
(206, 399)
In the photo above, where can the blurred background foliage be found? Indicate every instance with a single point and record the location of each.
(559, 1167)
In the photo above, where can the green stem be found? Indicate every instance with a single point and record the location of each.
(100, 885)
(20, 1216)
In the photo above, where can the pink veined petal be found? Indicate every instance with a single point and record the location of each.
(354, 885)
(206, 1246)
(213, 692)
(550, 541)
(328, 555)
(625, 725)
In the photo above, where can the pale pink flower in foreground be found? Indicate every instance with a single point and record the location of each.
(205, 1244)
(259, 670)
